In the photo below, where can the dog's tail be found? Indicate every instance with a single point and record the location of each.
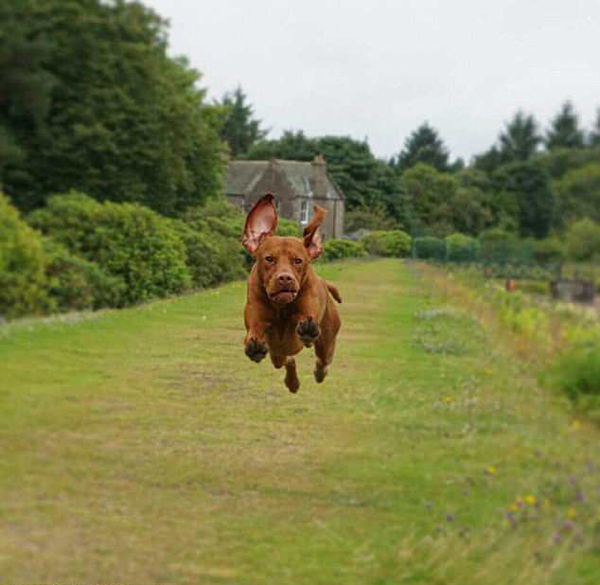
(334, 292)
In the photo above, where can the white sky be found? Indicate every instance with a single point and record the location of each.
(379, 68)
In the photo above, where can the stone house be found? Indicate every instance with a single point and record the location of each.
(297, 186)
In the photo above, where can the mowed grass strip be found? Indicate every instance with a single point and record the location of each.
(141, 446)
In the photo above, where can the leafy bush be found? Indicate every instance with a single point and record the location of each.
(578, 193)
(212, 258)
(287, 228)
(461, 248)
(533, 287)
(75, 283)
(547, 251)
(583, 240)
(393, 243)
(22, 265)
(577, 373)
(365, 219)
(129, 242)
(429, 248)
(338, 249)
(497, 245)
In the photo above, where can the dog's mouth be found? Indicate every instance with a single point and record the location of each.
(283, 296)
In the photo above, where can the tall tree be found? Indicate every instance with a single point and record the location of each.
(490, 160)
(291, 146)
(564, 129)
(240, 129)
(119, 119)
(520, 139)
(424, 145)
(529, 183)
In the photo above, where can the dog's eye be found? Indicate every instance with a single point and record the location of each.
(269, 259)
(297, 260)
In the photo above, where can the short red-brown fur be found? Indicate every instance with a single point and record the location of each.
(288, 306)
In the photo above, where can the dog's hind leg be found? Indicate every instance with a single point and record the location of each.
(324, 354)
(325, 345)
(291, 375)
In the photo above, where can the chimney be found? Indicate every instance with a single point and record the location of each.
(319, 172)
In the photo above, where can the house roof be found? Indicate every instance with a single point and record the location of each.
(242, 176)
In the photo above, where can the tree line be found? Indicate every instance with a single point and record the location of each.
(91, 101)
(528, 183)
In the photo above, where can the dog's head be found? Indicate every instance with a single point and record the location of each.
(281, 262)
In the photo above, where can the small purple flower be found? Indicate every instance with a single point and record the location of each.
(511, 518)
(567, 526)
(450, 517)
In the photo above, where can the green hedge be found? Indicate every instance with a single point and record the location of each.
(583, 240)
(339, 249)
(23, 283)
(577, 374)
(392, 243)
(548, 251)
(128, 242)
(78, 284)
(497, 245)
(461, 248)
(429, 248)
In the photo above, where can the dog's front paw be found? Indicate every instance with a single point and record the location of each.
(256, 350)
(308, 331)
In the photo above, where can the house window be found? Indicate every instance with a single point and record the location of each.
(304, 211)
(307, 187)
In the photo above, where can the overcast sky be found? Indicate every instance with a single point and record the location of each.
(377, 69)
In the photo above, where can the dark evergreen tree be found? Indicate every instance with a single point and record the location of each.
(100, 107)
(529, 183)
(490, 160)
(564, 130)
(520, 139)
(291, 146)
(240, 129)
(424, 145)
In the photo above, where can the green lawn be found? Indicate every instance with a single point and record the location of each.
(141, 446)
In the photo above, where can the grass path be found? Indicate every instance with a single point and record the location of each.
(141, 446)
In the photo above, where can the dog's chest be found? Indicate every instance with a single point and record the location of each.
(283, 339)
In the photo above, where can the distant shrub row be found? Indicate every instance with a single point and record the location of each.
(391, 243)
(581, 244)
(77, 253)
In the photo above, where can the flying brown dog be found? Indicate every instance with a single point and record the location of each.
(288, 306)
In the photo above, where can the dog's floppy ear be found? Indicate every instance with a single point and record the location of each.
(260, 223)
(313, 242)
